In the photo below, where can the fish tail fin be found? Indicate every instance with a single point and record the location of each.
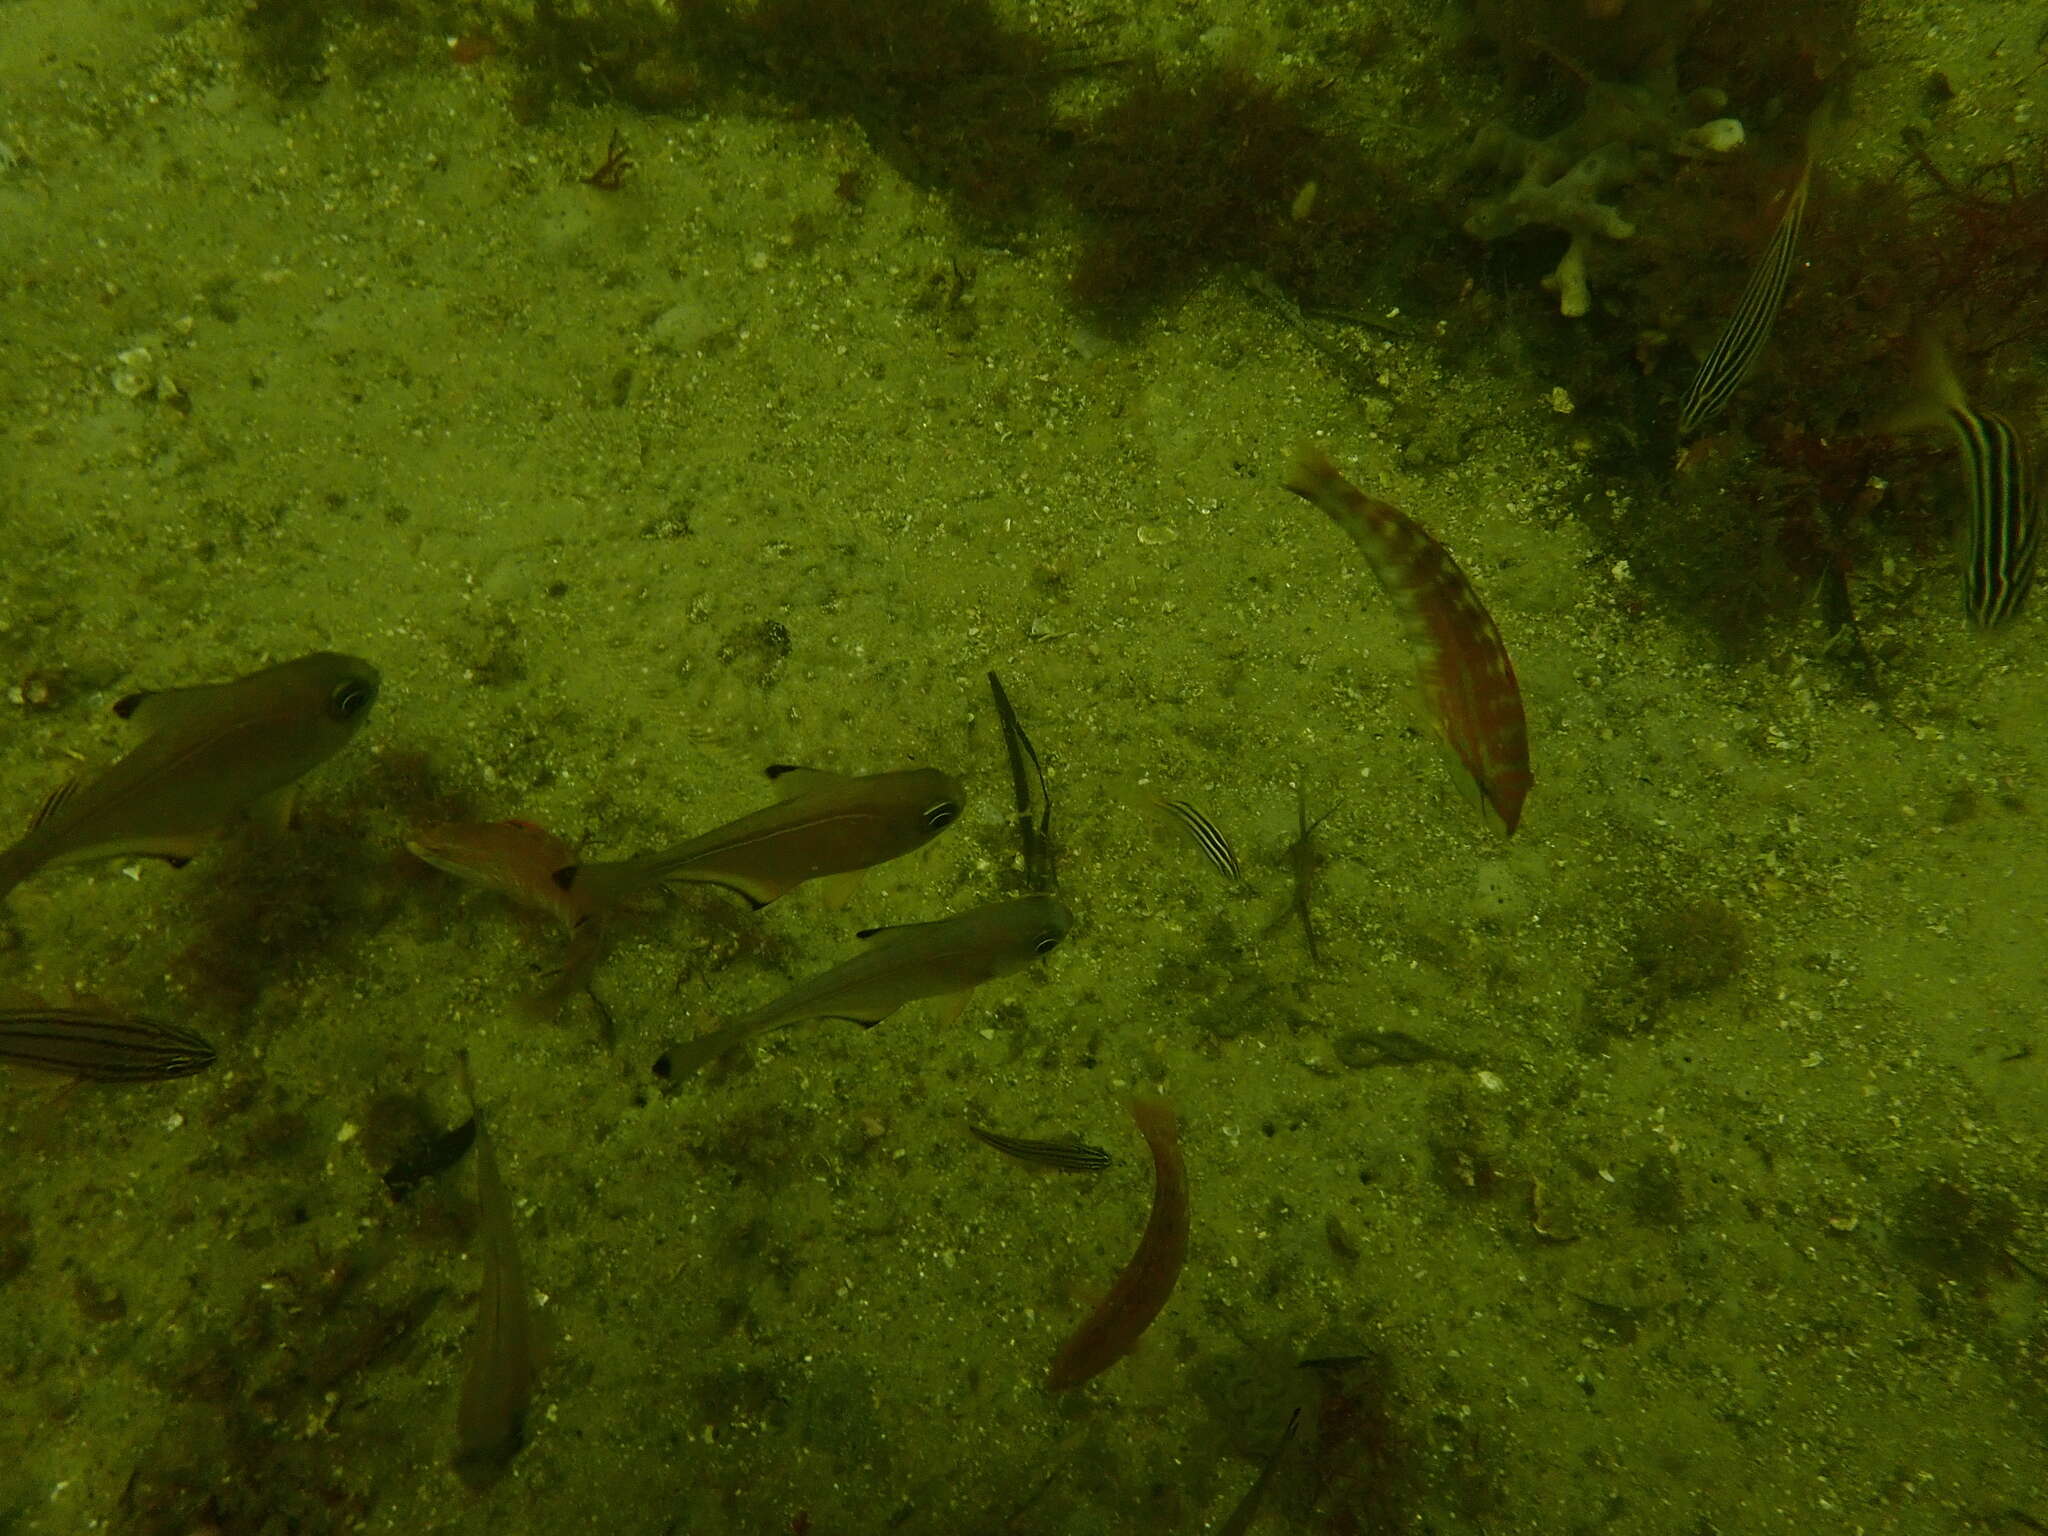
(686, 1058)
(1937, 392)
(16, 865)
(1821, 126)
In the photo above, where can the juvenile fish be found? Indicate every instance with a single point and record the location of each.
(1147, 1281)
(1743, 338)
(1468, 683)
(1070, 1156)
(497, 1386)
(99, 1045)
(826, 826)
(214, 753)
(948, 958)
(519, 859)
(2003, 536)
(1214, 845)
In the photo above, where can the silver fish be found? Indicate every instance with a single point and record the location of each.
(900, 965)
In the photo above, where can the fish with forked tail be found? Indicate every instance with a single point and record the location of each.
(826, 826)
(948, 958)
(214, 754)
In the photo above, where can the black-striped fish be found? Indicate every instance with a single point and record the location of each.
(1071, 1155)
(99, 1044)
(1214, 845)
(2003, 535)
(1743, 338)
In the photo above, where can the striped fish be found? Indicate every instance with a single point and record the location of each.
(2003, 536)
(1468, 683)
(1214, 845)
(1750, 326)
(99, 1045)
(1069, 1156)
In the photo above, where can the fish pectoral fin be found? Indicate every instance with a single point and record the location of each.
(840, 889)
(274, 810)
(952, 1005)
(792, 782)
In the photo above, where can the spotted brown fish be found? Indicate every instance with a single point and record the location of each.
(1468, 683)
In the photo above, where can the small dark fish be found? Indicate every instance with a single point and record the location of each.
(497, 1386)
(1070, 1156)
(214, 754)
(100, 1045)
(1214, 845)
(1743, 338)
(437, 1154)
(1143, 1287)
(1247, 1510)
(1041, 865)
(2004, 530)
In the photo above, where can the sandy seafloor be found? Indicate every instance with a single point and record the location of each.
(558, 461)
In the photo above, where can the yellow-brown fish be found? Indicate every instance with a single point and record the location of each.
(826, 826)
(519, 859)
(948, 958)
(214, 753)
(1468, 683)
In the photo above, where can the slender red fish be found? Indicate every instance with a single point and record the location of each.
(1468, 683)
(1141, 1291)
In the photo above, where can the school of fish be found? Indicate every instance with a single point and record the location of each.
(213, 756)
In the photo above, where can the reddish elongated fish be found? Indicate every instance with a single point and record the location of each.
(520, 858)
(1112, 1330)
(1468, 683)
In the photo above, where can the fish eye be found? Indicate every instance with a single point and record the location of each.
(1047, 943)
(351, 698)
(942, 815)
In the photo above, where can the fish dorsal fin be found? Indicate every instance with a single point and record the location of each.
(167, 706)
(53, 802)
(791, 781)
